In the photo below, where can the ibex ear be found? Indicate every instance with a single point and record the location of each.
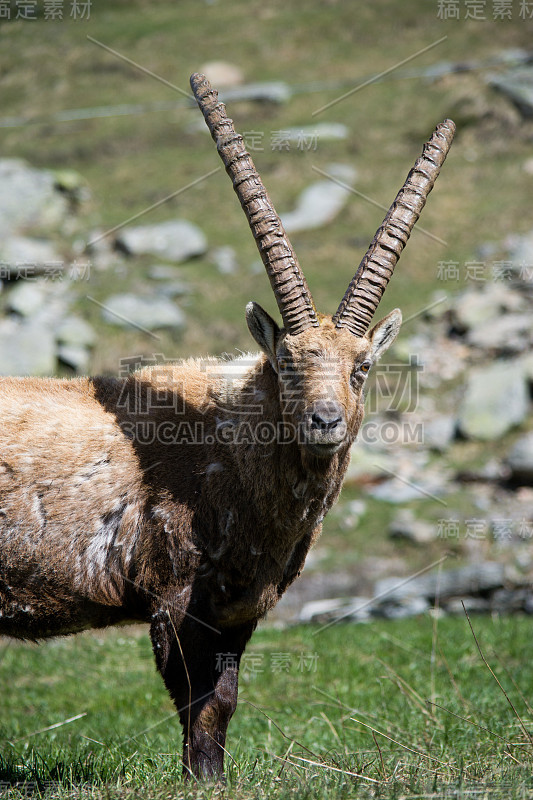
(264, 330)
(384, 333)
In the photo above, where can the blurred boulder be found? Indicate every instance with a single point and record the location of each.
(222, 74)
(75, 331)
(439, 432)
(517, 86)
(308, 136)
(25, 257)
(264, 92)
(175, 240)
(173, 289)
(496, 399)
(520, 460)
(402, 490)
(320, 202)
(474, 579)
(32, 298)
(32, 347)
(508, 334)
(225, 260)
(474, 307)
(30, 198)
(75, 356)
(129, 310)
(405, 525)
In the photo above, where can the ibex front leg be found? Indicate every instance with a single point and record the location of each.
(200, 668)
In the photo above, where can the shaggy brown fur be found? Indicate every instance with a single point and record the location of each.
(185, 495)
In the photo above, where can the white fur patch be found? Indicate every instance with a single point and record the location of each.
(216, 466)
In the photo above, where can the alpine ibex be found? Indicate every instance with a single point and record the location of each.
(188, 495)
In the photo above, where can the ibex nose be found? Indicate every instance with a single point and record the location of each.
(326, 416)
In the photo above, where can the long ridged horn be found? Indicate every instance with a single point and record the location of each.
(286, 278)
(375, 270)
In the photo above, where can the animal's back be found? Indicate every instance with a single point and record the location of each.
(70, 497)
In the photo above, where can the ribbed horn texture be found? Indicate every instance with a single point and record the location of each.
(374, 272)
(287, 279)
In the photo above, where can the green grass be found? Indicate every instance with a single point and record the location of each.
(126, 743)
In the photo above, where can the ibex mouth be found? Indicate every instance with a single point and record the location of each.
(324, 450)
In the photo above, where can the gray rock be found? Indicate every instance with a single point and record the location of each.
(496, 399)
(473, 579)
(510, 333)
(397, 490)
(409, 607)
(492, 471)
(29, 198)
(27, 297)
(176, 240)
(406, 526)
(509, 601)
(474, 307)
(75, 356)
(267, 92)
(75, 331)
(222, 73)
(174, 289)
(319, 203)
(38, 297)
(225, 259)
(351, 513)
(358, 609)
(25, 257)
(473, 605)
(322, 131)
(354, 609)
(517, 85)
(520, 250)
(31, 350)
(346, 173)
(525, 363)
(528, 604)
(520, 460)
(318, 609)
(129, 310)
(439, 432)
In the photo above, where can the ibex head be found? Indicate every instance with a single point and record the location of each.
(321, 361)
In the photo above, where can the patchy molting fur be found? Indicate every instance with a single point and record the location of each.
(106, 516)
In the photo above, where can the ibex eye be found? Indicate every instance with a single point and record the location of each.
(365, 366)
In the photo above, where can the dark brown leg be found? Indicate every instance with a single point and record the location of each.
(200, 669)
